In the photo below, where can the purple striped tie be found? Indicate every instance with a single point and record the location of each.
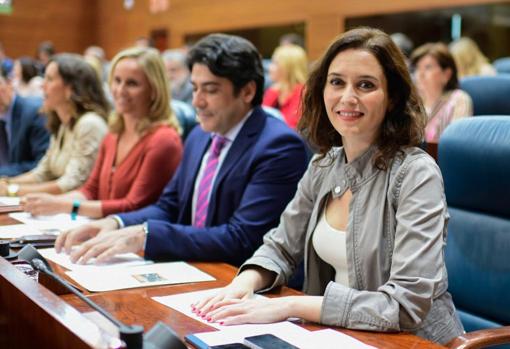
(206, 181)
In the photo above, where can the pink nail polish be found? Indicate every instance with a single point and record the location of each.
(221, 322)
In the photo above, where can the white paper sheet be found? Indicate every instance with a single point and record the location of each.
(286, 330)
(16, 231)
(61, 221)
(331, 339)
(182, 302)
(108, 279)
(120, 261)
(9, 201)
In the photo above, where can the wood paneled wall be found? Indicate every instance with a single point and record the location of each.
(74, 24)
(70, 25)
(323, 19)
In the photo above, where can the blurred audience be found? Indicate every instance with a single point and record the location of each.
(288, 71)
(76, 108)
(140, 153)
(178, 74)
(44, 53)
(26, 79)
(469, 59)
(292, 39)
(435, 76)
(5, 62)
(98, 54)
(23, 136)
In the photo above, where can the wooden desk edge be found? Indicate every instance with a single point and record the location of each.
(46, 319)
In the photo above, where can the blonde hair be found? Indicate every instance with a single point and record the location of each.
(292, 59)
(159, 112)
(468, 57)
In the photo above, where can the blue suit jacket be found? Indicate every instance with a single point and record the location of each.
(257, 179)
(29, 136)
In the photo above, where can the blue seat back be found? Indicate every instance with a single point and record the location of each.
(490, 94)
(474, 157)
(185, 115)
(502, 65)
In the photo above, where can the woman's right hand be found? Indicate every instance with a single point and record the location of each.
(67, 239)
(241, 287)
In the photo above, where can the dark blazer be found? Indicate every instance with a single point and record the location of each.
(257, 179)
(29, 136)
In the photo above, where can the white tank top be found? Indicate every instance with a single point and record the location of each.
(329, 243)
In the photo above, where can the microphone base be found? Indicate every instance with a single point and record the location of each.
(162, 337)
(132, 336)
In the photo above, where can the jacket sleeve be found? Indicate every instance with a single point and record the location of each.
(283, 247)
(272, 182)
(417, 263)
(88, 134)
(38, 139)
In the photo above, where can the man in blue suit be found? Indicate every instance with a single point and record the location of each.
(220, 203)
(23, 136)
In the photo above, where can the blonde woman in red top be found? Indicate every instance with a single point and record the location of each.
(140, 153)
(288, 71)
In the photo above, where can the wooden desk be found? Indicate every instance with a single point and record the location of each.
(32, 316)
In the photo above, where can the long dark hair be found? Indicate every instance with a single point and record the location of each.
(87, 94)
(405, 119)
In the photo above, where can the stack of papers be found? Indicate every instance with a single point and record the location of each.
(286, 330)
(9, 204)
(61, 221)
(16, 231)
(126, 270)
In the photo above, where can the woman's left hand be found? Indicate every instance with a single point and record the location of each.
(43, 204)
(253, 311)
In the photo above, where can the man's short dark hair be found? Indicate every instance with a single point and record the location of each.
(230, 57)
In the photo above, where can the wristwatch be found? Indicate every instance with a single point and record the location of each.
(12, 189)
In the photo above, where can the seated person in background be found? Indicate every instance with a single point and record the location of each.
(178, 74)
(369, 216)
(23, 136)
(138, 156)
(27, 81)
(435, 75)
(469, 59)
(76, 108)
(239, 170)
(288, 71)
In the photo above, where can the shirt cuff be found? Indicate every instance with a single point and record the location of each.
(117, 219)
(145, 227)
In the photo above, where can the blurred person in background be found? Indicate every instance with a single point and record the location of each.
(435, 75)
(23, 135)
(288, 71)
(469, 59)
(26, 79)
(140, 153)
(45, 51)
(76, 108)
(5, 62)
(179, 75)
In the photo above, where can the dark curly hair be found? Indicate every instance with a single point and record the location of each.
(405, 120)
(87, 94)
(230, 57)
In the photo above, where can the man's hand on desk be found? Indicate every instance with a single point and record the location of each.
(76, 236)
(107, 244)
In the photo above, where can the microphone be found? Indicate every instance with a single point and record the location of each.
(160, 336)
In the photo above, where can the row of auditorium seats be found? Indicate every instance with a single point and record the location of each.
(474, 157)
(502, 65)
